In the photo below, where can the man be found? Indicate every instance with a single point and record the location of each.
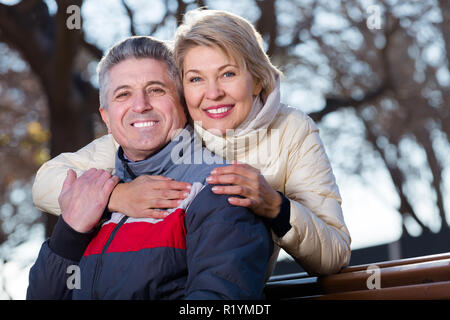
(204, 249)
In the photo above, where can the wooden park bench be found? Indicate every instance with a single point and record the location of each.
(426, 277)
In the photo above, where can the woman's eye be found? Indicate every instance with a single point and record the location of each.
(194, 79)
(229, 74)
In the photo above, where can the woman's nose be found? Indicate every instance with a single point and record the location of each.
(214, 90)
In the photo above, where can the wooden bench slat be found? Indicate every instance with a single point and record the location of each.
(421, 278)
(427, 291)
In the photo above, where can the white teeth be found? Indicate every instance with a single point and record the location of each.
(219, 110)
(144, 124)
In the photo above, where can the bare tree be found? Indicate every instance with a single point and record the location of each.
(385, 79)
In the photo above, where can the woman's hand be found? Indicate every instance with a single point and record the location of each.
(147, 196)
(250, 184)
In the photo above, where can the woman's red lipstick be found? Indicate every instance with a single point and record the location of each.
(219, 111)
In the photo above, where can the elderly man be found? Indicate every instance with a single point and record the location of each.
(204, 249)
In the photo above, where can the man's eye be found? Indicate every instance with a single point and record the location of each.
(122, 95)
(156, 91)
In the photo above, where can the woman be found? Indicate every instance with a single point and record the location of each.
(234, 101)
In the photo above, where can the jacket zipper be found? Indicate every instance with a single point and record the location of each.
(99, 265)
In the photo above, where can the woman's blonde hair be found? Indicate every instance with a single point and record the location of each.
(231, 33)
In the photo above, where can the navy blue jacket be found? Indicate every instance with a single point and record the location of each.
(205, 249)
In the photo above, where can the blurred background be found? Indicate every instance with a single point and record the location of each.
(374, 75)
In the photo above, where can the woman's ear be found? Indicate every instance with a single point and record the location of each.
(258, 88)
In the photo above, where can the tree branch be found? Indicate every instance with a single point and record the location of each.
(24, 7)
(96, 52)
(445, 26)
(130, 16)
(66, 45)
(267, 23)
(155, 26)
(17, 30)
(332, 104)
(200, 3)
(397, 178)
(181, 9)
(424, 139)
(89, 94)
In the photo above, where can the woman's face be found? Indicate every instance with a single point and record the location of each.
(219, 93)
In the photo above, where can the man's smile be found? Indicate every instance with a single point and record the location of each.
(144, 124)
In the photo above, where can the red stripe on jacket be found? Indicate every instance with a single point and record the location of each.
(98, 242)
(135, 236)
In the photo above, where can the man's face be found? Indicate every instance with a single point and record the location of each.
(144, 111)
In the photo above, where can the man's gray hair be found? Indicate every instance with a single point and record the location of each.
(138, 47)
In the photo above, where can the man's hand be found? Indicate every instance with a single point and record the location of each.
(83, 200)
(147, 196)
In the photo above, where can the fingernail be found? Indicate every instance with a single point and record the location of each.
(209, 179)
(186, 194)
(214, 188)
(189, 187)
(214, 171)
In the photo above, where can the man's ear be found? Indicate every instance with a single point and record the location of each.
(105, 117)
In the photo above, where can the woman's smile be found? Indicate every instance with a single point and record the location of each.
(219, 111)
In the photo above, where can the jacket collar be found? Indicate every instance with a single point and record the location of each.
(157, 164)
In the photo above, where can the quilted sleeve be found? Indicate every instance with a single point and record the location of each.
(319, 239)
(47, 185)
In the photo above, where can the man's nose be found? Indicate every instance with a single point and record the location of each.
(214, 90)
(141, 103)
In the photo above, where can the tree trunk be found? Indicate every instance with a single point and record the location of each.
(51, 48)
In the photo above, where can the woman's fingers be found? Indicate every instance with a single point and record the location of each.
(146, 193)
(159, 178)
(170, 185)
(232, 178)
(239, 174)
(158, 203)
(170, 194)
(242, 202)
(250, 184)
(236, 168)
(154, 213)
(232, 190)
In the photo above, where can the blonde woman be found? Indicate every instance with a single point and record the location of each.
(280, 170)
